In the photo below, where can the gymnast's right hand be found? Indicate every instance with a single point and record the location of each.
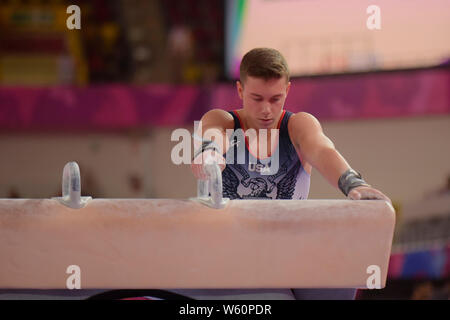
(206, 157)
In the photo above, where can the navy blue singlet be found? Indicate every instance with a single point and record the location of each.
(280, 176)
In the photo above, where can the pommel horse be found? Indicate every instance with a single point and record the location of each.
(192, 243)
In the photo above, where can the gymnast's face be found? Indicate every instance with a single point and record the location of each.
(263, 101)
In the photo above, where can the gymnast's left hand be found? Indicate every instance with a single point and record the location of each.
(367, 193)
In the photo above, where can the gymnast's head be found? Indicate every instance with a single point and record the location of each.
(263, 87)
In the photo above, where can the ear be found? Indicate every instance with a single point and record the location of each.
(288, 87)
(240, 89)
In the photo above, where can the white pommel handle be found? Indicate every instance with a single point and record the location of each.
(213, 185)
(71, 187)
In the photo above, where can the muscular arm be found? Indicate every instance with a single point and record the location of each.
(316, 148)
(214, 124)
(307, 135)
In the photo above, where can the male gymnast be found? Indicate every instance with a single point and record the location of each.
(299, 144)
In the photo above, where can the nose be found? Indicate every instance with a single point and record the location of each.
(265, 112)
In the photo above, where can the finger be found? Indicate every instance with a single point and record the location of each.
(369, 195)
(354, 195)
(373, 195)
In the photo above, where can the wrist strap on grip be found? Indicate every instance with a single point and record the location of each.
(206, 145)
(350, 179)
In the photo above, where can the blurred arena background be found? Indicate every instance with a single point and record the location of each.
(109, 95)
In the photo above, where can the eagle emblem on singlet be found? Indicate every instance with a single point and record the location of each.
(260, 187)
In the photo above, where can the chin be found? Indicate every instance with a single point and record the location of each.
(266, 126)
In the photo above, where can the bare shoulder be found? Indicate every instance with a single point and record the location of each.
(217, 118)
(303, 123)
